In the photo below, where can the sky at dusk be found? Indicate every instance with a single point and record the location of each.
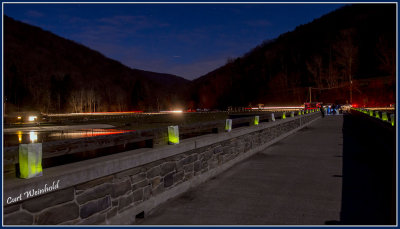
(187, 40)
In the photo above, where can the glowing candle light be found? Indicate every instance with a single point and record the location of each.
(173, 135)
(257, 120)
(392, 119)
(30, 160)
(384, 116)
(228, 125)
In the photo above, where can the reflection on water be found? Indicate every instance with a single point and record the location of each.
(19, 136)
(25, 137)
(33, 136)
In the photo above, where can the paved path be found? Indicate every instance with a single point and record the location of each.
(297, 181)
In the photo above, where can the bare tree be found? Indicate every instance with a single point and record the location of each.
(90, 99)
(346, 54)
(314, 66)
(74, 101)
(386, 56)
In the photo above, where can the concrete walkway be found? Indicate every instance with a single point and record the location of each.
(295, 181)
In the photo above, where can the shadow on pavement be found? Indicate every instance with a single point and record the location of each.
(369, 179)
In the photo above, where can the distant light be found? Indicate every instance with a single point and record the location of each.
(33, 136)
(19, 117)
(380, 108)
(174, 111)
(32, 118)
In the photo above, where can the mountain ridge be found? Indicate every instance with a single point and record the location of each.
(354, 45)
(312, 55)
(32, 54)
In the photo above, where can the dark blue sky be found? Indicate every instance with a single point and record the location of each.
(188, 40)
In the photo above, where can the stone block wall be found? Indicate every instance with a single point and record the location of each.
(109, 199)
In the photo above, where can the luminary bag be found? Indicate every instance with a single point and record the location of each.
(173, 135)
(30, 160)
(228, 125)
(256, 120)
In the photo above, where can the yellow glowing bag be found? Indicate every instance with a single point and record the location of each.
(30, 160)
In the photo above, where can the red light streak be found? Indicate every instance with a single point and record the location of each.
(273, 108)
(101, 132)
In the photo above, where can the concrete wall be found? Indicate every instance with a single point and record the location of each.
(118, 188)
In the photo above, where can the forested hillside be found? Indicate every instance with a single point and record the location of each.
(354, 44)
(348, 54)
(45, 72)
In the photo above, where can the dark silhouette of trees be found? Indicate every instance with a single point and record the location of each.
(48, 73)
(332, 54)
(352, 49)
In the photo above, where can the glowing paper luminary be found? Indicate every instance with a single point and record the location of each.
(273, 117)
(30, 160)
(392, 119)
(284, 115)
(292, 114)
(384, 116)
(371, 113)
(256, 120)
(299, 112)
(173, 135)
(302, 112)
(228, 125)
(376, 114)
